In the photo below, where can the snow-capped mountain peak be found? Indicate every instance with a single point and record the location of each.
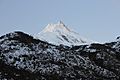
(60, 26)
(60, 34)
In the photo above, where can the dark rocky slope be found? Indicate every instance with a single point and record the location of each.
(24, 58)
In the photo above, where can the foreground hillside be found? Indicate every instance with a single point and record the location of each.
(24, 58)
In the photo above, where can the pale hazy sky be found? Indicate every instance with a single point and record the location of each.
(98, 20)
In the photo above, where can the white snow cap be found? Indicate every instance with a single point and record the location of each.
(60, 34)
(54, 27)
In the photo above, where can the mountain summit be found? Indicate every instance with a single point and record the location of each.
(60, 34)
(60, 26)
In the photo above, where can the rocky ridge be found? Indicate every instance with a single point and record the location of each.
(24, 58)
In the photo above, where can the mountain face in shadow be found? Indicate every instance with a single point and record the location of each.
(24, 58)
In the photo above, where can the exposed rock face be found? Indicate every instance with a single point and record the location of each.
(24, 58)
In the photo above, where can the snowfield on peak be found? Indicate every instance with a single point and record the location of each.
(60, 34)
